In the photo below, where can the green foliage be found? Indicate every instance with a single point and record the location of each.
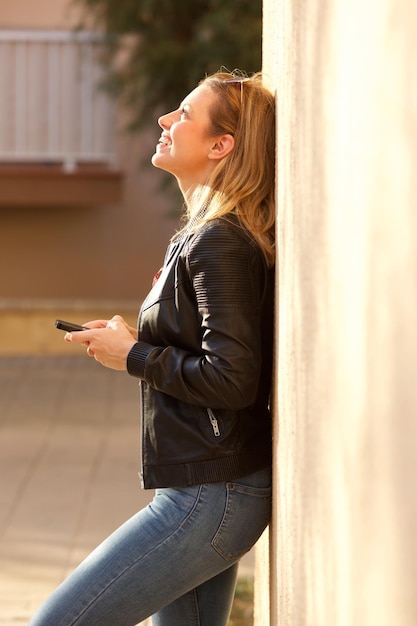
(242, 610)
(167, 46)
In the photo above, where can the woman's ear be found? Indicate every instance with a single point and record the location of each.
(222, 146)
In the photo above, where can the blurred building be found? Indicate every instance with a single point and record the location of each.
(83, 223)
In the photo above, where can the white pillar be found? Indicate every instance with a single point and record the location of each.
(344, 540)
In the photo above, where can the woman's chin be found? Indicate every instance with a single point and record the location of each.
(157, 161)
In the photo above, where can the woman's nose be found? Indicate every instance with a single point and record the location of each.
(165, 121)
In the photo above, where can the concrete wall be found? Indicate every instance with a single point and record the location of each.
(343, 538)
(39, 14)
(101, 251)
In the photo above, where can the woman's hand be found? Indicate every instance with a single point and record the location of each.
(108, 341)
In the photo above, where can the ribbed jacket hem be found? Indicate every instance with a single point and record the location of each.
(208, 471)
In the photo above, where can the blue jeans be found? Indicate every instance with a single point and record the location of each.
(175, 560)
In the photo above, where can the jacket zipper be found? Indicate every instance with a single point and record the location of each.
(142, 439)
(214, 423)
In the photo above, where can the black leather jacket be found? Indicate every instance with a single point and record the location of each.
(204, 357)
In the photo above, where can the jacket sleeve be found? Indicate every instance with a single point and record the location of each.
(228, 275)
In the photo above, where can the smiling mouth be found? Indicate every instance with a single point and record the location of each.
(164, 141)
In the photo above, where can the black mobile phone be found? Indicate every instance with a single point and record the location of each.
(68, 326)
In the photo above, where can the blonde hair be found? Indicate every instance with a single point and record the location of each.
(242, 183)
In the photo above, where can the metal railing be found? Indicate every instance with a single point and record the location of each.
(51, 110)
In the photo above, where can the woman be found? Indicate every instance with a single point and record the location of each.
(203, 354)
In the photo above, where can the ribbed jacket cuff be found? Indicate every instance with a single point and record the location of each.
(136, 359)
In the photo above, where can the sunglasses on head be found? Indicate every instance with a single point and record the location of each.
(240, 81)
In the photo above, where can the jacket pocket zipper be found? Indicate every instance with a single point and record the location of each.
(214, 423)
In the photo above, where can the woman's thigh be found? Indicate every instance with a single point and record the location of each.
(183, 538)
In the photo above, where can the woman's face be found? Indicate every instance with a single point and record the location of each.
(185, 146)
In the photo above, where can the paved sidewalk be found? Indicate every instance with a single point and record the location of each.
(69, 454)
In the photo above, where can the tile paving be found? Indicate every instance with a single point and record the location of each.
(69, 455)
